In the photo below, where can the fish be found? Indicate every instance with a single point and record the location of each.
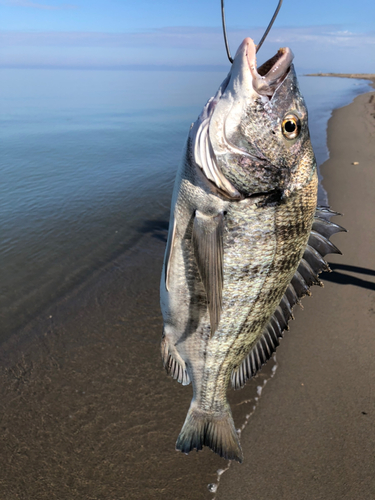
(246, 241)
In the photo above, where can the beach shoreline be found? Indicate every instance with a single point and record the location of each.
(74, 423)
(356, 76)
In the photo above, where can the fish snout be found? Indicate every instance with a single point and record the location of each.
(270, 74)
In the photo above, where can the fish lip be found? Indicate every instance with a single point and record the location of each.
(270, 74)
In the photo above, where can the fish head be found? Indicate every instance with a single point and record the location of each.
(257, 126)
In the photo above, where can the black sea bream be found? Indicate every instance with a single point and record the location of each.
(246, 240)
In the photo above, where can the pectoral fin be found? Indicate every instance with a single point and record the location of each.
(169, 254)
(208, 250)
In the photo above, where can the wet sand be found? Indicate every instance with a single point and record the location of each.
(87, 411)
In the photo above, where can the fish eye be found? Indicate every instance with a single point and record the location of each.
(291, 126)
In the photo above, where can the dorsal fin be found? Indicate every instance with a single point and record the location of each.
(208, 250)
(311, 265)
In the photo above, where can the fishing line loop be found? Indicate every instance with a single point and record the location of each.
(261, 40)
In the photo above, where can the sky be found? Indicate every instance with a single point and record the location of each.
(330, 35)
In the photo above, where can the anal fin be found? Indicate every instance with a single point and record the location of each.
(208, 250)
(173, 363)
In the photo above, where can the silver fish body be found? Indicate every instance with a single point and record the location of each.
(242, 218)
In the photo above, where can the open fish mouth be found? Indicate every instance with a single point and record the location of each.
(269, 75)
(215, 134)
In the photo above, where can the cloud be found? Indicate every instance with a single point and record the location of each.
(321, 35)
(186, 37)
(33, 5)
(177, 37)
(324, 48)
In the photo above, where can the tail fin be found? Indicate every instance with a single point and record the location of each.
(207, 429)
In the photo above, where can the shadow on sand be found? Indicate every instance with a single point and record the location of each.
(342, 278)
(157, 228)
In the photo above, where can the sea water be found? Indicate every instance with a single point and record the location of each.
(87, 163)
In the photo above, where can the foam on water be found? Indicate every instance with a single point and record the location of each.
(252, 404)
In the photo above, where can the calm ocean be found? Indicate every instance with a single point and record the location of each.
(87, 163)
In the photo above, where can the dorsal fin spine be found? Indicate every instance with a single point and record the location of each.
(311, 265)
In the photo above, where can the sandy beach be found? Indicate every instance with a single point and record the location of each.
(89, 413)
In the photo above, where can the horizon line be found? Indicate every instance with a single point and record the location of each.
(137, 67)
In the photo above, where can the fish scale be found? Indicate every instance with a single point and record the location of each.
(259, 300)
(237, 302)
(246, 241)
